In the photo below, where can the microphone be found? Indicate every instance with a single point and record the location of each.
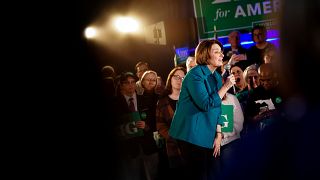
(228, 67)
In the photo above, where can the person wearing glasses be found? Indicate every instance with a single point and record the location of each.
(264, 101)
(256, 52)
(128, 147)
(138, 153)
(196, 124)
(166, 107)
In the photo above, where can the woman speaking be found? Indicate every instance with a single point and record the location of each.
(196, 124)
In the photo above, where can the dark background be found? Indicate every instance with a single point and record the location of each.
(60, 115)
(57, 110)
(123, 52)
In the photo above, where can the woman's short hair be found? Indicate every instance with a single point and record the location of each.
(146, 73)
(202, 53)
(253, 67)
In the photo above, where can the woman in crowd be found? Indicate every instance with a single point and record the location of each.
(165, 109)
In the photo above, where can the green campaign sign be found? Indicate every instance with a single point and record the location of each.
(129, 129)
(220, 17)
(227, 116)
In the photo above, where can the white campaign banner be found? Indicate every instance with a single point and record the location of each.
(155, 34)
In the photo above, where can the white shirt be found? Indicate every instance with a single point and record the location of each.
(134, 96)
(237, 119)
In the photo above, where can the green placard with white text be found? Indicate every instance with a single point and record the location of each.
(128, 129)
(227, 116)
(220, 17)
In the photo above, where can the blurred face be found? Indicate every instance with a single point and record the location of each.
(259, 36)
(141, 69)
(234, 39)
(149, 81)
(128, 87)
(266, 81)
(238, 75)
(253, 77)
(216, 56)
(176, 80)
(159, 81)
(268, 57)
(191, 64)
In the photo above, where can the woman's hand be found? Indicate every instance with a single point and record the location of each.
(217, 144)
(230, 81)
(236, 58)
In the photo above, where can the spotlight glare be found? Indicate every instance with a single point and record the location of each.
(90, 32)
(126, 24)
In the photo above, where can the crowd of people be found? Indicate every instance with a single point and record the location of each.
(211, 119)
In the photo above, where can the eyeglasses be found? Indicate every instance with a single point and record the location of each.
(177, 77)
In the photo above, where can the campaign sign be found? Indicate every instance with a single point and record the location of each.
(227, 116)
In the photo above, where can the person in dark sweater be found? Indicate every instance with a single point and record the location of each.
(256, 52)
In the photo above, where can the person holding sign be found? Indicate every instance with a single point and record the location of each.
(233, 123)
(136, 149)
(196, 124)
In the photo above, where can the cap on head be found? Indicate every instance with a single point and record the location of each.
(124, 76)
(107, 71)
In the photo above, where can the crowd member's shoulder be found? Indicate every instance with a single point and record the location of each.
(194, 70)
(163, 101)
